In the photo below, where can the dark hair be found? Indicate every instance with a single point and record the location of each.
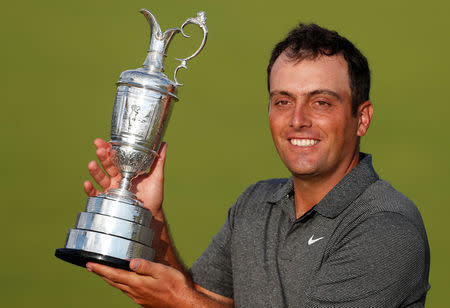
(309, 41)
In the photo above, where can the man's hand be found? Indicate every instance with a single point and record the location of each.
(148, 187)
(156, 285)
(150, 285)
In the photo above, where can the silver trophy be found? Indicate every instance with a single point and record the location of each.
(115, 227)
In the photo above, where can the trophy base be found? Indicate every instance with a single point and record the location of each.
(80, 258)
(111, 231)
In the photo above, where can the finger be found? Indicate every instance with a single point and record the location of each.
(106, 160)
(115, 275)
(123, 287)
(158, 167)
(147, 268)
(90, 189)
(98, 175)
(163, 150)
(100, 143)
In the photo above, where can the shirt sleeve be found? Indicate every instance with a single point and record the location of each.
(212, 270)
(381, 262)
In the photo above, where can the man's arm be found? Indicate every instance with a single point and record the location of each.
(166, 254)
(167, 284)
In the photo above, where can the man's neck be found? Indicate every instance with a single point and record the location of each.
(309, 191)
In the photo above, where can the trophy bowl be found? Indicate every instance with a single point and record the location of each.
(115, 226)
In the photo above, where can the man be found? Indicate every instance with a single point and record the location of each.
(333, 235)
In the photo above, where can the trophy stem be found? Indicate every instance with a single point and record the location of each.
(124, 189)
(126, 181)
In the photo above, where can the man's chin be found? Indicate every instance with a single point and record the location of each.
(303, 168)
(304, 172)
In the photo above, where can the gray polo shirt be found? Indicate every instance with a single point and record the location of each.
(362, 245)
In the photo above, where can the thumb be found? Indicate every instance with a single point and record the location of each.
(158, 166)
(144, 267)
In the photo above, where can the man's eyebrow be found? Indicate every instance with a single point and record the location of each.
(324, 91)
(286, 93)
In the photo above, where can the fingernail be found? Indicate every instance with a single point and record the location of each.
(134, 264)
(89, 268)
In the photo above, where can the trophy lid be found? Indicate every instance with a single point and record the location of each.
(151, 75)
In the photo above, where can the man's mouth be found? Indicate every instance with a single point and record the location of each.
(303, 142)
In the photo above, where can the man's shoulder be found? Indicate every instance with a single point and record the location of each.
(380, 239)
(383, 200)
(384, 197)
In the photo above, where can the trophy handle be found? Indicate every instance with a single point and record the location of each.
(200, 20)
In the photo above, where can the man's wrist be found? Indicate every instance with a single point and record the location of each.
(186, 296)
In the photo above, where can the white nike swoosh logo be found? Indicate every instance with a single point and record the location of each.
(312, 241)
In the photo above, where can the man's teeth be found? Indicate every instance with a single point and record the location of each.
(304, 142)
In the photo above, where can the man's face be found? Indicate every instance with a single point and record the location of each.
(310, 115)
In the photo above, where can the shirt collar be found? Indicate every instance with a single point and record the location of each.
(340, 196)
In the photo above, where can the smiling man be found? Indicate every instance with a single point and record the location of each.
(312, 123)
(332, 235)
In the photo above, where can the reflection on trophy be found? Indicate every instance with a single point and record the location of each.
(115, 227)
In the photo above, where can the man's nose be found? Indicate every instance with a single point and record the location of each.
(301, 117)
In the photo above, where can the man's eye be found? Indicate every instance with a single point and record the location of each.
(282, 103)
(322, 104)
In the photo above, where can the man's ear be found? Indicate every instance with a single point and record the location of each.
(365, 112)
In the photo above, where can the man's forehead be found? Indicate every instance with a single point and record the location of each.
(306, 75)
(334, 62)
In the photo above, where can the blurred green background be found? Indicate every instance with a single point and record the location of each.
(60, 62)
